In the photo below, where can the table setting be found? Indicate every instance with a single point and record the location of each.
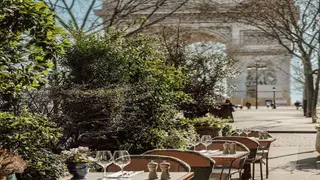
(78, 160)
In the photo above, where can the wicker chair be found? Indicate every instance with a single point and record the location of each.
(253, 146)
(140, 162)
(201, 165)
(231, 167)
(264, 148)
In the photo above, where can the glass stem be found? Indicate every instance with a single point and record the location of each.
(104, 171)
(121, 171)
(206, 148)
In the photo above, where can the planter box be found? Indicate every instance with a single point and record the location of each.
(207, 130)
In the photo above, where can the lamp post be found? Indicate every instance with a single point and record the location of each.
(274, 97)
(257, 66)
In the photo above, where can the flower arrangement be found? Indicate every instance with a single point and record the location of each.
(77, 155)
(11, 162)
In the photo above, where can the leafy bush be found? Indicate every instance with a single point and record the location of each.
(32, 136)
(119, 94)
(210, 121)
(28, 45)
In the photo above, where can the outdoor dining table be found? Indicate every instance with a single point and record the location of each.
(226, 158)
(142, 176)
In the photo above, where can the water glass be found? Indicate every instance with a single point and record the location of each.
(104, 158)
(121, 159)
(206, 140)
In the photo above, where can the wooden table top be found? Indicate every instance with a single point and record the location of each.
(142, 176)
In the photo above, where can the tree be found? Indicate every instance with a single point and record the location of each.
(295, 25)
(206, 66)
(115, 13)
(28, 44)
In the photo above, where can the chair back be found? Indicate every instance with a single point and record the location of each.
(201, 165)
(251, 144)
(140, 163)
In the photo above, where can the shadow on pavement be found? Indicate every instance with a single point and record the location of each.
(292, 154)
(307, 163)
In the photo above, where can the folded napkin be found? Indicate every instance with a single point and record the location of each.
(126, 174)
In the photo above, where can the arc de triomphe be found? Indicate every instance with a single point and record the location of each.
(249, 46)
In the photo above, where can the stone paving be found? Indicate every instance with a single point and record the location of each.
(280, 119)
(294, 140)
(292, 155)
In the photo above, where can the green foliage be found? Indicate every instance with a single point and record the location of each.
(176, 134)
(119, 92)
(210, 121)
(28, 44)
(31, 136)
(43, 164)
(206, 68)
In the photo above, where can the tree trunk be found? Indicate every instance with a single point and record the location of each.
(315, 99)
(304, 103)
(316, 92)
(310, 90)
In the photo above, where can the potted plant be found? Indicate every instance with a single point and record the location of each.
(209, 125)
(10, 163)
(77, 160)
(317, 144)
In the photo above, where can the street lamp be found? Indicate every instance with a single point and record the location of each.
(257, 66)
(274, 97)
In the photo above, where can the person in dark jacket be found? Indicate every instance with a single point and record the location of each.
(230, 107)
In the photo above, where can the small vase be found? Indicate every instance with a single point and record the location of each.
(78, 170)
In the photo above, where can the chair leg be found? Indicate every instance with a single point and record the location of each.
(267, 166)
(253, 170)
(261, 170)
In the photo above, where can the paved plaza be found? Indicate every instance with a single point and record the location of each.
(280, 119)
(292, 155)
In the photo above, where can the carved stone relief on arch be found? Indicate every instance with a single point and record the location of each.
(255, 37)
(207, 35)
(267, 73)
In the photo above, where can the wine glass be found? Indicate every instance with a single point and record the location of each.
(247, 131)
(104, 159)
(195, 141)
(206, 140)
(121, 159)
(238, 131)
